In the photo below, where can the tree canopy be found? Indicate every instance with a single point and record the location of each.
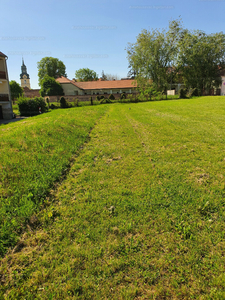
(50, 87)
(86, 74)
(15, 89)
(163, 56)
(201, 58)
(52, 67)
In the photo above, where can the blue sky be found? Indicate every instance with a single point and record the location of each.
(92, 34)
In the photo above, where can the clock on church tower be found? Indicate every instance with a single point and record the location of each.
(24, 77)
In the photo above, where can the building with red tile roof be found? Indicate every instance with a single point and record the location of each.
(99, 87)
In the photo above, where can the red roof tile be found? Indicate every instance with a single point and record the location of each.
(96, 85)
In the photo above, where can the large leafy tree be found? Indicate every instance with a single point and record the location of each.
(52, 67)
(86, 74)
(154, 56)
(15, 89)
(201, 58)
(195, 58)
(50, 87)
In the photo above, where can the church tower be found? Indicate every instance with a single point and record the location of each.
(24, 77)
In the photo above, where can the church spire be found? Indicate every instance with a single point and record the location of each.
(24, 76)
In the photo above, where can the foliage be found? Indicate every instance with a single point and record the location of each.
(123, 96)
(111, 97)
(53, 106)
(104, 77)
(15, 89)
(193, 93)
(64, 103)
(201, 58)
(30, 106)
(52, 67)
(105, 100)
(47, 101)
(50, 87)
(76, 102)
(86, 74)
(182, 93)
(178, 55)
(153, 56)
(111, 77)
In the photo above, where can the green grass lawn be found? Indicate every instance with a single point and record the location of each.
(35, 152)
(140, 214)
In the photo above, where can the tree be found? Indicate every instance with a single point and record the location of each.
(112, 77)
(201, 59)
(103, 77)
(153, 56)
(86, 74)
(50, 87)
(166, 56)
(52, 67)
(15, 89)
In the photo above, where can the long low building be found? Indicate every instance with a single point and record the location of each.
(6, 111)
(99, 87)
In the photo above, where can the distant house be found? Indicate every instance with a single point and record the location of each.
(6, 111)
(99, 87)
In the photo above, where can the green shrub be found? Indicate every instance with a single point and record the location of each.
(193, 92)
(30, 106)
(105, 100)
(76, 102)
(53, 106)
(182, 93)
(111, 97)
(123, 96)
(64, 103)
(47, 101)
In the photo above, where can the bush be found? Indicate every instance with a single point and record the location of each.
(76, 102)
(105, 100)
(47, 101)
(30, 106)
(182, 93)
(111, 97)
(193, 92)
(53, 106)
(64, 103)
(123, 96)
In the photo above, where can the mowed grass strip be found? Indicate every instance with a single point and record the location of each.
(34, 154)
(140, 215)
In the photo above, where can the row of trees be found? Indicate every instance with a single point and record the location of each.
(53, 67)
(160, 58)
